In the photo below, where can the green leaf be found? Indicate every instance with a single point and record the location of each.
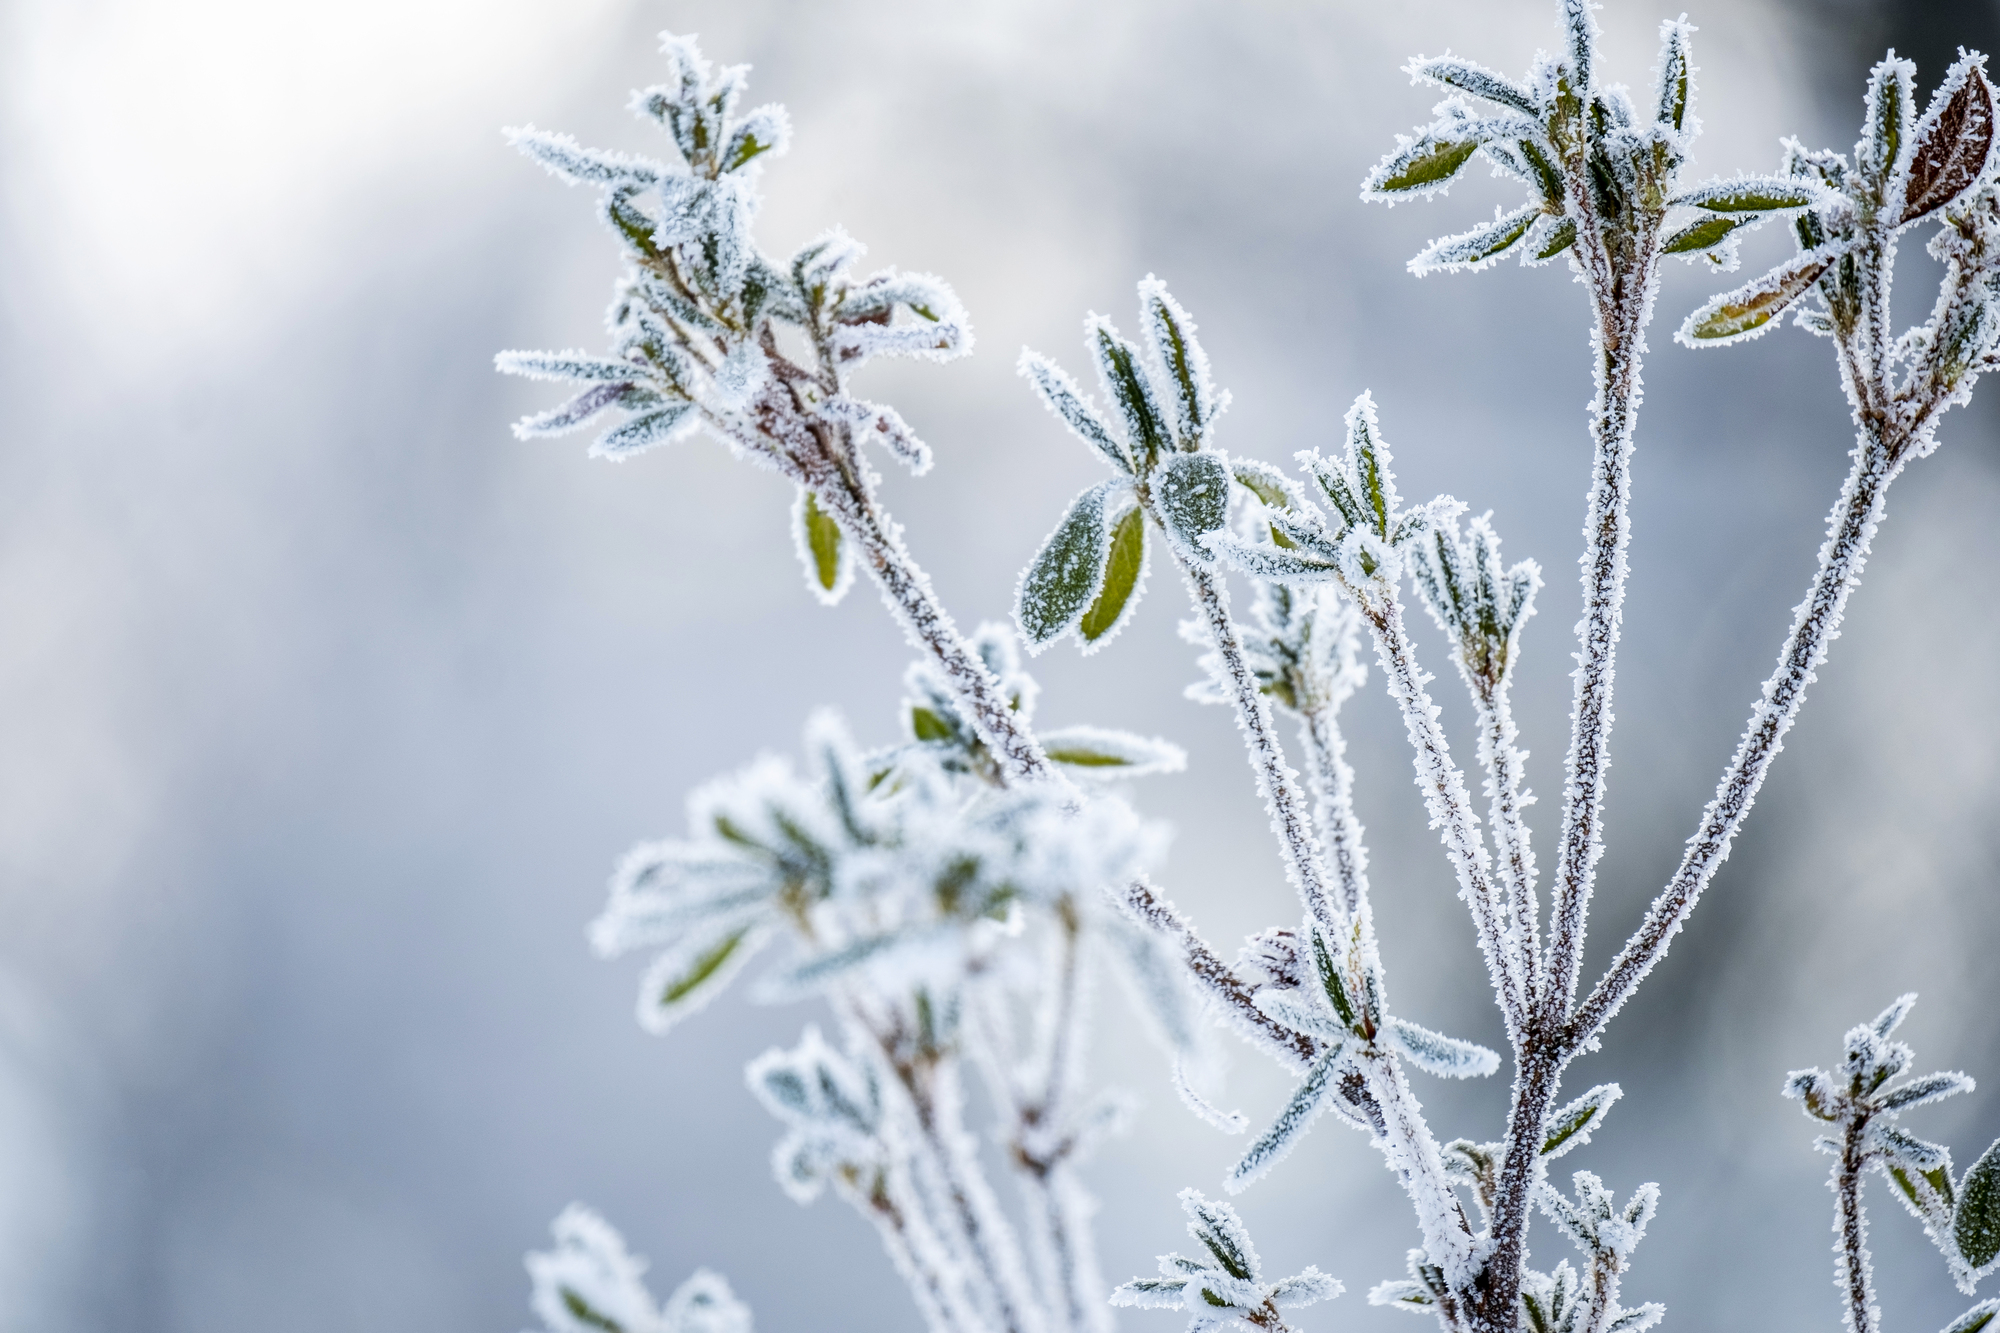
(1749, 308)
(1975, 1319)
(1329, 979)
(1751, 194)
(1480, 82)
(1479, 247)
(1067, 572)
(1191, 493)
(1572, 1126)
(1561, 239)
(685, 977)
(1975, 1222)
(927, 725)
(1703, 235)
(1125, 379)
(1420, 167)
(586, 1313)
(821, 549)
(1673, 99)
(1112, 753)
(1122, 572)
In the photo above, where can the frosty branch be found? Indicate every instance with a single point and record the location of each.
(953, 897)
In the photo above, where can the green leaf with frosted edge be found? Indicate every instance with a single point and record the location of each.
(1955, 141)
(585, 1313)
(1752, 307)
(1329, 980)
(822, 539)
(1135, 398)
(1192, 492)
(1546, 174)
(1750, 196)
(701, 970)
(1426, 164)
(1121, 577)
(1266, 490)
(1975, 1319)
(1975, 1222)
(1067, 573)
(1703, 235)
(926, 725)
(1580, 1117)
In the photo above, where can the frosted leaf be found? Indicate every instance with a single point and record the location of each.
(1446, 1057)
(822, 550)
(1714, 237)
(1192, 494)
(925, 320)
(693, 970)
(1676, 76)
(1178, 357)
(1917, 1092)
(765, 130)
(574, 414)
(1975, 1221)
(822, 260)
(1755, 194)
(1906, 1150)
(572, 163)
(1953, 143)
(1636, 1320)
(880, 425)
(1157, 984)
(1124, 583)
(1549, 237)
(832, 1110)
(1129, 389)
(1307, 1288)
(705, 1304)
(1572, 1126)
(1975, 1319)
(742, 373)
(590, 1283)
(1301, 1010)
(1229, 1122)
(644, 432)
(1479, 248)
(1059, 394)
(1748, 311)
(1100, 752)
(1579, 27)
(567, 366)
(1224, 1288)
(1271, 1147)
(1452, 72)
(1067, 573)
(1420, 167)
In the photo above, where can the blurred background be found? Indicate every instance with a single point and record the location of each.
(326, 706)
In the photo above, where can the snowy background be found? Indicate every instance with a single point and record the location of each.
(325, 706)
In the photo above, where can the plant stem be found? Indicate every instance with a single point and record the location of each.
(1622, 280)
(1851, 527)
(1850, 1226)
(1305, 860)
(1450, 807)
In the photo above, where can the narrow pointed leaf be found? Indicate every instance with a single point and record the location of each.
(1704, 235)
(1975, 1319)
(643, 432)
(1446, 1057)
(1675, 79)
(1102, 752)
(1059, 394)
(1171, 333)
(1285, 1132)
(1572, 1126)
(1477, 80)
(685, 978)
(1476, 249)
(1753, 194)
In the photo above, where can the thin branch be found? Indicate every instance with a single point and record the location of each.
(1443, 786)
(1841, 559)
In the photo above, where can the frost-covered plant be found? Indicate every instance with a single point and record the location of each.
(1862, 1103)
(949, 899)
